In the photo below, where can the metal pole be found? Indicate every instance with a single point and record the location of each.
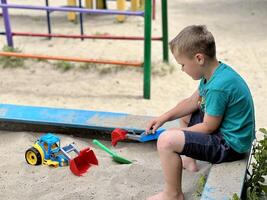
(48, 18)
(81, 19)
(81, 10)
(147, 50)
(71, 59)
(104, 37)
(7, 24)
(164, 13)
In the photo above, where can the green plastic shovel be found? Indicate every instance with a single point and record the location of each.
(114, 155)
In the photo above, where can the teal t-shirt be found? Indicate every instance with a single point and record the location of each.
(227, 94)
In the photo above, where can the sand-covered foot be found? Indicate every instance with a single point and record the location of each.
(189, 164)
(164, 196)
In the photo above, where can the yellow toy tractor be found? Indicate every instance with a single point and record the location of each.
(47, 151)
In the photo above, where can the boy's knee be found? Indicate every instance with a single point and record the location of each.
(171, 139)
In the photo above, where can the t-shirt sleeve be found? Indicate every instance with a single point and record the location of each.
(216, 102)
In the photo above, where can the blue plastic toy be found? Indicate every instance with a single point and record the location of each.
(47, 151)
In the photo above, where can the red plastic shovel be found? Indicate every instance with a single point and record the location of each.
(81, 163)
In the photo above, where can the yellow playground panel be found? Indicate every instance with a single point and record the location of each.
(135, 5)
(101, 4)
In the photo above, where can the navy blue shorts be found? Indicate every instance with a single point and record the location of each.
(207, 147)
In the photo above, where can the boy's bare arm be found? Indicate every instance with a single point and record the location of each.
(209, 124)
(185, 107)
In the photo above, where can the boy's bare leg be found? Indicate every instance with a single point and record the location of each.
(189, 164)
(169, 143)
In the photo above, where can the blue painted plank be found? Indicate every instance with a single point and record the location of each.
(74, 118)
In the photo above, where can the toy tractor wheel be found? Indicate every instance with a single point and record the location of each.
(33, 157)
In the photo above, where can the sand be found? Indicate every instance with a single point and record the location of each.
(239, 28)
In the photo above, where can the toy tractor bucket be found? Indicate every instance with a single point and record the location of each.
(81, 163)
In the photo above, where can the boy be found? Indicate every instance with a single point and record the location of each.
(217, 122)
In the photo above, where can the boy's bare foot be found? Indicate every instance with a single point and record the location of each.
(189, 164)
(164, 196)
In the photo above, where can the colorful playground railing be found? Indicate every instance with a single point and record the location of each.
(147, 35)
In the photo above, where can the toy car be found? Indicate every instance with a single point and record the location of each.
(47, 151)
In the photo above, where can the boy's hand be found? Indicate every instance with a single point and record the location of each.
(153, 125)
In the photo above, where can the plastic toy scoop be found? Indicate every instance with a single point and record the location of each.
(114, 155)
(81, 163)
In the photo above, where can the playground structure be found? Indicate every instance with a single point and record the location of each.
(147, 38)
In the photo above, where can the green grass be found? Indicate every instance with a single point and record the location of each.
(88, 66)
(235, 197)
(200, 186)
(64, 66)
(101, 68)
(11, 62)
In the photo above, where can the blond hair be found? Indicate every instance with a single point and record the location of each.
(194, 39)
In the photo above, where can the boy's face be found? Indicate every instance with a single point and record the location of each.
(192, 66)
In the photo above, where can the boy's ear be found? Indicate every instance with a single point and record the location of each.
(200, 58)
